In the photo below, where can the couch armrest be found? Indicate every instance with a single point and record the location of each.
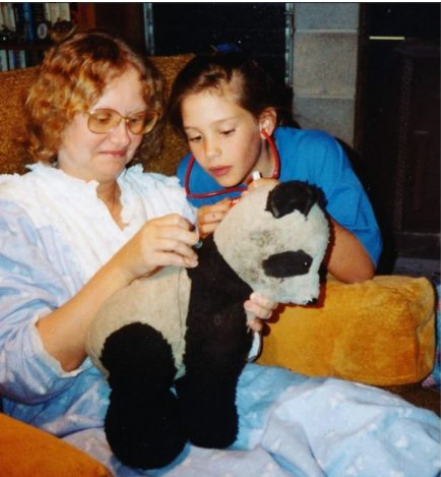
(379, 332)
(26, 450)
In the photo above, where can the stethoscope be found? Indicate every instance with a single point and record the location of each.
(228, 190)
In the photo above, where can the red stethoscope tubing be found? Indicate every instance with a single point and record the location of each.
(214, 193)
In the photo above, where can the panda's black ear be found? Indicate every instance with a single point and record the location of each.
(289, 196)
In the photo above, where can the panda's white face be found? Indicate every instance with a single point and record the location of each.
(275, 239)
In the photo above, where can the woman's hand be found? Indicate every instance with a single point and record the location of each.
(259, 308)
(209, 216)
(160, 242)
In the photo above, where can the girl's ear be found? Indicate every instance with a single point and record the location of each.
(268, 121)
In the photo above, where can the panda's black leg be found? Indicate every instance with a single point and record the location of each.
(208, 407)
(143, 424)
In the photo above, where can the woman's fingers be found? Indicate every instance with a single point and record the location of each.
(181, 247)
(160, 242)
(165, 259)
(174, 237)
(171, 220)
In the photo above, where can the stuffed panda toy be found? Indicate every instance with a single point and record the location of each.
(173, 345)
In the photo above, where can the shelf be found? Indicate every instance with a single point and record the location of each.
(25, 46)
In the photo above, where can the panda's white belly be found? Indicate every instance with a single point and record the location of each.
(160, 301)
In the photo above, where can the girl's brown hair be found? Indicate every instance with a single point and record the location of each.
(71, 78)
(255, 89)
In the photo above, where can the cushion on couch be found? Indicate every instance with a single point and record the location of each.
(27, 451)
(13, 87)
(378, 332)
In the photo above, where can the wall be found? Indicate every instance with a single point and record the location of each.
(325, 66)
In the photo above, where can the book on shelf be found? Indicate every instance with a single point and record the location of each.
(11, 62)
(24, 21)
(41, 24)
(7, 16)
(12, 59)
(30, 22)
(16, 59)
(57, 12)
(3, 60)
(26, 28)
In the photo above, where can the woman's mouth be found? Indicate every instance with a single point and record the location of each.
(219, 171)
(121, 153)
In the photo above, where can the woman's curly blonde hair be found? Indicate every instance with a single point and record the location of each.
(71, 78)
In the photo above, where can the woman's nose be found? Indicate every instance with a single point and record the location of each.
(121, 134)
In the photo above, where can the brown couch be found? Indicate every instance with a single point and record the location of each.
(380, 332)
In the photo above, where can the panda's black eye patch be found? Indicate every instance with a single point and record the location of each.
(287, 264)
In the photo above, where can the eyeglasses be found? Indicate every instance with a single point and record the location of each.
(103, 121)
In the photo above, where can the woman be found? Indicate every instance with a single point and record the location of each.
(81, 225)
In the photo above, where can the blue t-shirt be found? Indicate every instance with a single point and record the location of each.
(317, 158)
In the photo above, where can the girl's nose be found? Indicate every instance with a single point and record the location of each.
(212, 149)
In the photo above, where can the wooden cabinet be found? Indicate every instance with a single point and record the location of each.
(416, 193)
(401, 145)
(123, 19)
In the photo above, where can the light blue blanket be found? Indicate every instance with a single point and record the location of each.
(291, 425)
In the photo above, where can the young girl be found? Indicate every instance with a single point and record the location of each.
(228, 109)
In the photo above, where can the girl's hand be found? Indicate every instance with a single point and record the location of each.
(209, 216)
(160, 242)
(259, 308)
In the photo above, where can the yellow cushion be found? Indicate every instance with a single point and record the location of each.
(13, 87)
(174, 145)
(380, 332)
(27, 451)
